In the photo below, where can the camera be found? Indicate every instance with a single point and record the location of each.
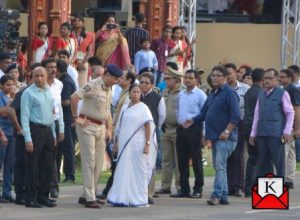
(9, 34)
(111, 26)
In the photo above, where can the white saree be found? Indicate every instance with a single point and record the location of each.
(134, 168)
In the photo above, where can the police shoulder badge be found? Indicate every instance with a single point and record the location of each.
(87, 88)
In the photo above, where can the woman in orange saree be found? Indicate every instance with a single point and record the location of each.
(113, 47)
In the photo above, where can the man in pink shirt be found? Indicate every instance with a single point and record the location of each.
(272, 125)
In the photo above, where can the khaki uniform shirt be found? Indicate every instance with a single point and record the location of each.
(171, 102)
(96, 100)
(124, 99)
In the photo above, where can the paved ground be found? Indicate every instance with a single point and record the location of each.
(163, 209)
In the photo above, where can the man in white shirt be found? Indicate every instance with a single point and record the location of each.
(5, 61)
(56, 87)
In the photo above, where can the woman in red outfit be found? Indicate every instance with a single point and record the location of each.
(65, 42)
(41, 44)
(85, 49)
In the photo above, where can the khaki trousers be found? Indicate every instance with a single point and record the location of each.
(151, 186)
(169, 159)
(92, 149)
(290, 161)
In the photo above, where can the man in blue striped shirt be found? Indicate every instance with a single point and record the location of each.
(235, 163)
(40, 138)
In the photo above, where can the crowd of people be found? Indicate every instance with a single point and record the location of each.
(140, 102)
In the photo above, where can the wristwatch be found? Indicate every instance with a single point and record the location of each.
(226, 132)
(148, 142)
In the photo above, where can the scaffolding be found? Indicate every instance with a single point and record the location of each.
(187, 18)
(290, 33)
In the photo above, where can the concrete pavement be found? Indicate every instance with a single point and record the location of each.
(163, 209)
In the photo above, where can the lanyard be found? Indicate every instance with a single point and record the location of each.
(69, 45)
(79, 39)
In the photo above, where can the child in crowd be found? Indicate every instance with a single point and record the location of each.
(7, 151)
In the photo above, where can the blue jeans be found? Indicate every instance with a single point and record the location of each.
(221, 151)
(8, 160)
(297, 143)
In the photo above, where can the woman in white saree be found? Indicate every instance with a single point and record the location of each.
(135, 142)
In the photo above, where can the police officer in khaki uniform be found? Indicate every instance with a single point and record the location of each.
(93, 127)
(168, 138)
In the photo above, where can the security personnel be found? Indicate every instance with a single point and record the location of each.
(168, 138)
(93, 126)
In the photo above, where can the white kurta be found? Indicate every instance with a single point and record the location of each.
(134, 168)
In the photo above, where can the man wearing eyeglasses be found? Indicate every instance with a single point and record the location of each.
(189, 104)
(157, 107)
(221, 113)
(272, 125)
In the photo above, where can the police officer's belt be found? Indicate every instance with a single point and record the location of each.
(92, 120)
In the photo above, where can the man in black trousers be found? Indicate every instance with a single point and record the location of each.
(40, 138)
(19, 169)
(67, 147)
(250, 102)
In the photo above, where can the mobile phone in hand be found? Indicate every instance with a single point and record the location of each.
(111, 26)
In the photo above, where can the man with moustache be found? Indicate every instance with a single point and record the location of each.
(221, 114)
(94, 127)
(40, 138)
(188, 141)
(55, 87)
(272, 125)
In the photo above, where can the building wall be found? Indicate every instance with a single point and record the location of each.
(255, 44)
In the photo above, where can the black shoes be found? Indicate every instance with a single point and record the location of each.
(163, 191)
(68, 180)
(54, 193)
(82, 201)
(235, 192)
(238, 193)
(290, 185)
(47, 202)
(33, 205)
(101, 196)
(196, 195)
(180, 195)
(20, 201)
(150, 201)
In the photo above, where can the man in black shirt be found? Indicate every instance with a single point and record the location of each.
(67, 147)
(250, 103)
(286, 80)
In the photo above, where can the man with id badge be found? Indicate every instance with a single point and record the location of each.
(161, 49)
